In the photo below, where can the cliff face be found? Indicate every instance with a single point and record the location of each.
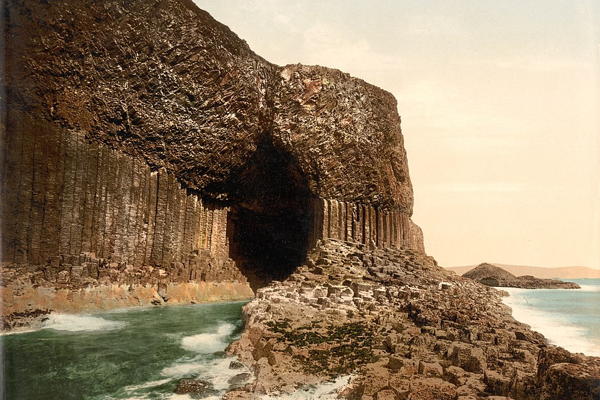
(164, 81)
(144, 142)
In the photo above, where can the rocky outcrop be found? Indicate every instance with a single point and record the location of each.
(402, 328)
(143, 133)
(492, 275)
(145, 136)
(163, 81)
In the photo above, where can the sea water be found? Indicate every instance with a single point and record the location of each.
(131, 354)
(569, 318)
(126, 354)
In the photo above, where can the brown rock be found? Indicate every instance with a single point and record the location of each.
(570, 381)
(455, 375)
(395, 363)
(431, 369)
(492, 275)
(194, 386)
(497, 383)
(386, 394)
(431, 389)
(469, 358)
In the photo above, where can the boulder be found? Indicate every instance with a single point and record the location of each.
(239, 379)
(467, 357)
(195, 386)
(432, 389)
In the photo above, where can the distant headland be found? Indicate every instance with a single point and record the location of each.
(492, 275)
(540, 272)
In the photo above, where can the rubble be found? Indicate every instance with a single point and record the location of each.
(390, 325)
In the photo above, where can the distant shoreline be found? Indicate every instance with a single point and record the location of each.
(539, 272)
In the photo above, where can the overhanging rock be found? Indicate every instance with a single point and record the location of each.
(146, 134)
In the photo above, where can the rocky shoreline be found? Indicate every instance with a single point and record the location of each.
(404, 329)
(30, 293)
(394, 323)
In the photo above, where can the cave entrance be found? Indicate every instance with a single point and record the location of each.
(269, 219)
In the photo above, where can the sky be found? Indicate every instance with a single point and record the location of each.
(500, 107)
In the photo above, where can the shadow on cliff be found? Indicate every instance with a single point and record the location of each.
(269, 219)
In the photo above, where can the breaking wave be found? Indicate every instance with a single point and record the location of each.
(207, 343)
(151, 384)
(79, 323)
(203, 365)
(555, 327)
(324, 391)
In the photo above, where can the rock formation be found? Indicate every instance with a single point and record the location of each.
(492, 275)
(145, 142)
(149, 156)
(403, 328)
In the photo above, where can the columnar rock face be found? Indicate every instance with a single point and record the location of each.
(145, 134)
(163, 81)
(70, 197)
(359, 223)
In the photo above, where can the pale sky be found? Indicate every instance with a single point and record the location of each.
(500, 111)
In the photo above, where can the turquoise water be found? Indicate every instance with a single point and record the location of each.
(134, 354)
(568, 318)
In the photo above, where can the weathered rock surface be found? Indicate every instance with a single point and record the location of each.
(164, 81)
(148, 136)
(195, 387)
(492, 275)
(404, 328)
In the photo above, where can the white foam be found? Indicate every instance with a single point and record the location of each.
(588, 288)
(18, 332)
(80, 322)
(207, 343)
(135, 388)
(127, 398)
(164, 396)
(202, 365)
(217, 371)
(181, 369)
(557, 330)
(324, 391)
(175, 396)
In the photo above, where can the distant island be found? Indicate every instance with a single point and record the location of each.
(539, 272)
(492, 275)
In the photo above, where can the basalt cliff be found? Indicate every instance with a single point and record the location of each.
(150, 157)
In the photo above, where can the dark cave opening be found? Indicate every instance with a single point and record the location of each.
(269, 220)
